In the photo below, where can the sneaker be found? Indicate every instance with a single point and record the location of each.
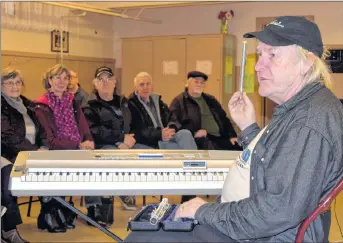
(12, 236)
(3, 210)
(128, 202)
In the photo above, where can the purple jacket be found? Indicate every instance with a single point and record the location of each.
(45, 117)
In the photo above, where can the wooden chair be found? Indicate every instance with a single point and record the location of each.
(324, 206)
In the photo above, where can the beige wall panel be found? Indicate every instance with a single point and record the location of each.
(169, 50)
(207, 48)
(137, 57)
(32, 69)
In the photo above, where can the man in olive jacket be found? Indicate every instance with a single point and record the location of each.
(203, 115)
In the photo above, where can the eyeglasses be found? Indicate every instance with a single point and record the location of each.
(12, 84)
(111, 80)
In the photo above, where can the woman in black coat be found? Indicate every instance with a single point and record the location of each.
(18, 133)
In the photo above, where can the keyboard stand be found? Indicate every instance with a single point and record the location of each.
(88, 219)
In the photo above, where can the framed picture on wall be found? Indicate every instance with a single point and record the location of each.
(56, 42)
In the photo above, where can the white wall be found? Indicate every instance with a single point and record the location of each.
(202, 19)
(29, 30)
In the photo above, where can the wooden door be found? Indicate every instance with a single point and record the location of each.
(207, 51)
(169, 67)
(137, 57)
(266, 104)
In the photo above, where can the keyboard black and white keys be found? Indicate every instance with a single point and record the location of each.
(120, 172)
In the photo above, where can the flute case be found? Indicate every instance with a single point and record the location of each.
(141, 222)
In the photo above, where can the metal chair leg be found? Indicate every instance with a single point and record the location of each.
(29, 208)
(81, 201)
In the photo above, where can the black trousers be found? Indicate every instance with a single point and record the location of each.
(12, 216)
(216, 143)
(200, 233)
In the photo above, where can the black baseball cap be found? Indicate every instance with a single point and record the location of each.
(102, 70)
(290, 30)
(197, 74)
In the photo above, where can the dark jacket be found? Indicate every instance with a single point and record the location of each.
(296, 162)
(107, 125)
(188, 114)
(142, 125)
(81, 97)
(45, 117)
(13, 130)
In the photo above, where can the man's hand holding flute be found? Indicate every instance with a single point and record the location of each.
(241, 108)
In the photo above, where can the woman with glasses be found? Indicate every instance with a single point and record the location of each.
(19, 132)
(64, 128)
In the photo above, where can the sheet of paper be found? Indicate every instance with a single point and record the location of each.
(250, 77)
(228, 84)
(228, 65)
(170, 67)
(204, 66)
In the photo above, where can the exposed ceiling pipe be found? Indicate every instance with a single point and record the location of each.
(99, 11)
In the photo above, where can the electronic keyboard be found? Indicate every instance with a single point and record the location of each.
(120, 172)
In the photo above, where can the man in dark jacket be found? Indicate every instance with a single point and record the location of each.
(80, 95)
(292, 163)
(152, 123)
(109, 119)
(202, 114)
(108, 115)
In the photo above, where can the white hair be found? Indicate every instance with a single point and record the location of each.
(140, 76)
(320, 71)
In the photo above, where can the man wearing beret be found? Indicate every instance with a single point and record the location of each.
(203, 115)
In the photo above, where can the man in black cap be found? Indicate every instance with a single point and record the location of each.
(109, 119)
(203, 115)
(292, 163)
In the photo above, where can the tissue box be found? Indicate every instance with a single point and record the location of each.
(141, 222)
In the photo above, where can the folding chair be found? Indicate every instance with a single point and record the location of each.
(324, 206)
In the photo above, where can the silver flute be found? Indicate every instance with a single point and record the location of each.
(244, 59)
(159, 212)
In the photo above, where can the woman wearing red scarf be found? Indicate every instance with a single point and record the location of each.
(64, 128)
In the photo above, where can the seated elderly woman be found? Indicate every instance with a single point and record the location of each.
(19, 132)
(287, 167)
(64, 128)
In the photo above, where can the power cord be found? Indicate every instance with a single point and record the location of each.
(339, 226)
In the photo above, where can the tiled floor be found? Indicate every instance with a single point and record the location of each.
(85, 233)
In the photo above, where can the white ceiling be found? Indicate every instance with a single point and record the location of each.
(141, 4)
(119, 9)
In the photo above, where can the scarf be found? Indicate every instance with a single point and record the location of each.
(64, 116)
(16, 103)
(157, 123)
